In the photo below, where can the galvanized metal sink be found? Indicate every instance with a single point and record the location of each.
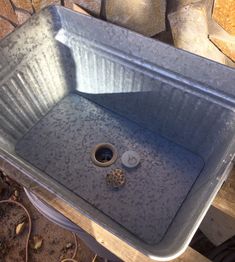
(80, 98)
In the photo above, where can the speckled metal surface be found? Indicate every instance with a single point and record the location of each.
(61, 144)
(177, 95)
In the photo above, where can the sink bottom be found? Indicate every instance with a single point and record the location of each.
(60, 145)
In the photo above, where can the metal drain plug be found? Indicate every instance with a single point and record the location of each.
(130, 159)
(116, 178)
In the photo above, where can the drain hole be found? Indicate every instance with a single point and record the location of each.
(104, 155)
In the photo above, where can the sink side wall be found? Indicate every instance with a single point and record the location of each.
(195, 120)
(33, 77)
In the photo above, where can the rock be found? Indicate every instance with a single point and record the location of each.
(93, 7)
(69, 245)
(39, 4)
(6, 28)
(22, 16)
(144, 16)
(173, 5)
(20, 228)
(224, 14)
(37, 242)
(7, 11)
(68, 4)
(26, 5)
(189, 25)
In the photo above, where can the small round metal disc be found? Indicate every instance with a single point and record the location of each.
(130, 159)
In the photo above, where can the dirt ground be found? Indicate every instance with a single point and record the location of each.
(57, 243)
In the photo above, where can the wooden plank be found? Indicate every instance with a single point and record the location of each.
(224, 14)
(190, 255)
(105, 238)
(217, 226)
(219, 223)
(225, 199)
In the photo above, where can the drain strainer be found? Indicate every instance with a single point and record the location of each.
(104, 155)
(116, 178)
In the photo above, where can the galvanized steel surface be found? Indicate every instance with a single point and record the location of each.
(179, 96)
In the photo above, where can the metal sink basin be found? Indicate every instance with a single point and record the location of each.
(70, 83)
